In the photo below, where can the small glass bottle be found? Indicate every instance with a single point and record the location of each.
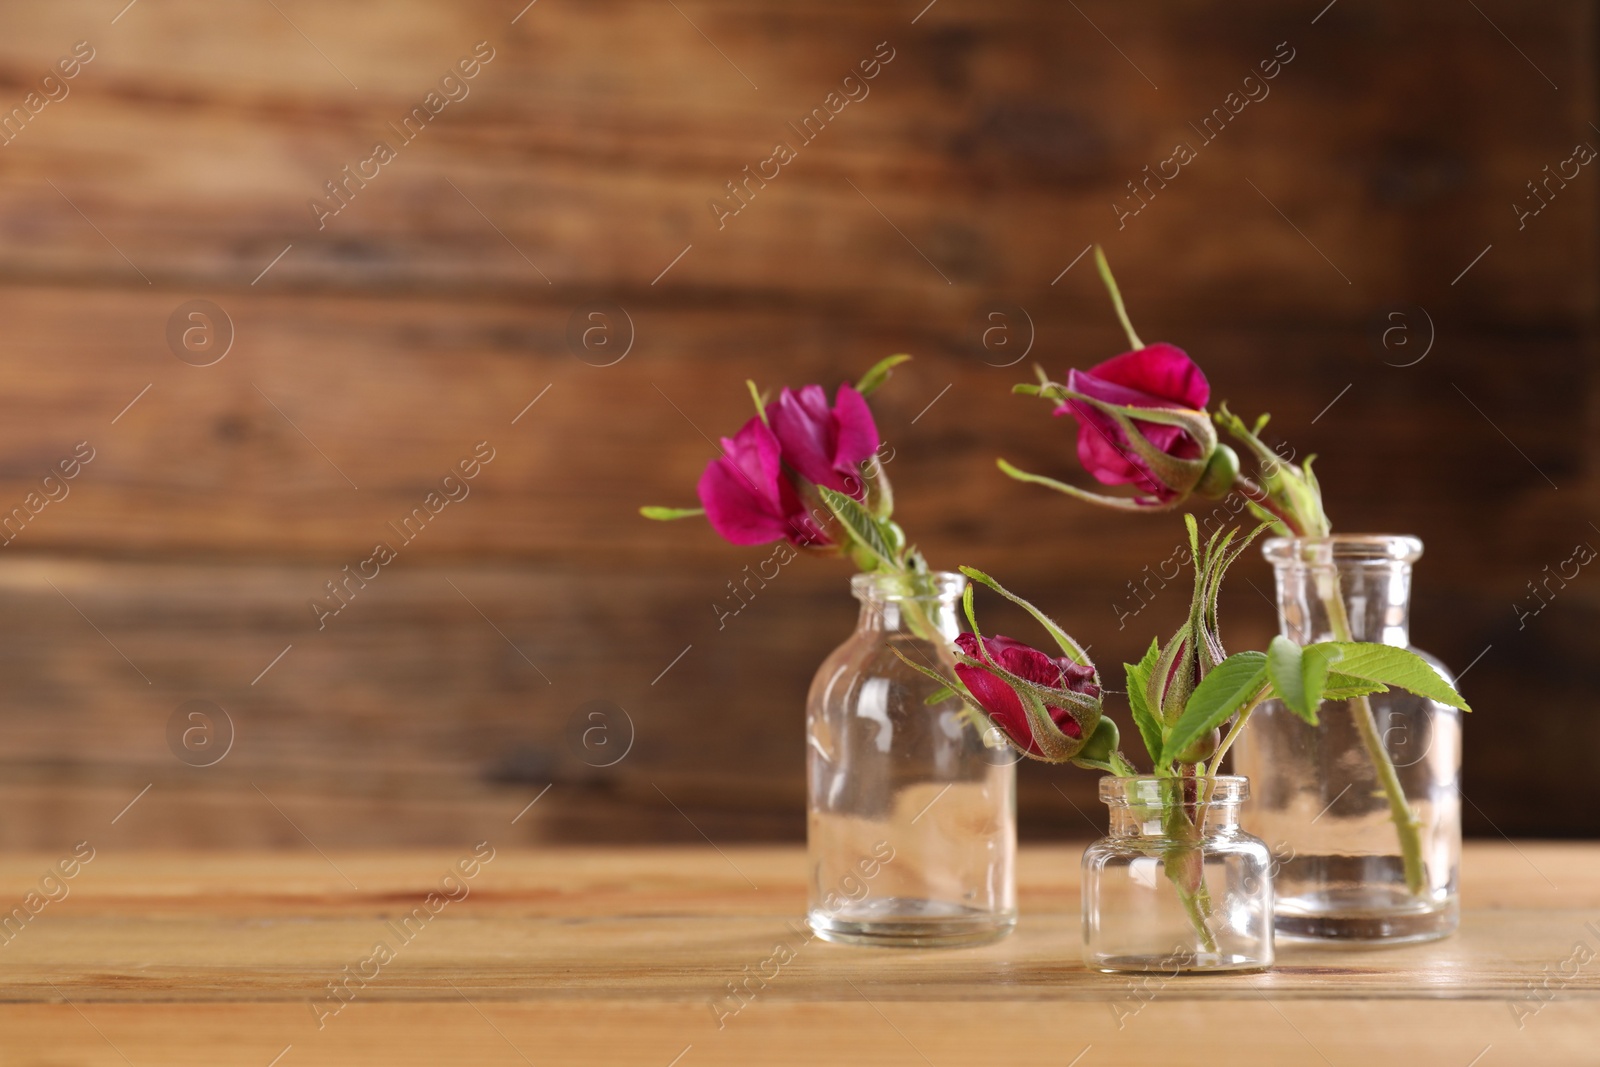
(1176, 886)
(911, 831)
(1349, 871)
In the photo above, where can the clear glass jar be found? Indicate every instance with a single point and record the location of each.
(911, 831)
(1176, 886)
(1326, 796)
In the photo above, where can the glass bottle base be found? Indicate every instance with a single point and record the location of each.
(1365, 918)
(1181, 963)
(899, 922)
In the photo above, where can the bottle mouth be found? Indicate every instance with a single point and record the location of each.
(933, 586)
(1378, 549)
(1150, 790)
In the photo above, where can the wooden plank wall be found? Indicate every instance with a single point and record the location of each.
(373, 349)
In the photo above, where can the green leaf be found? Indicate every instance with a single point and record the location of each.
(1285, 662)
(1300, 677)
(1396, 667)
(1138, 676)
(1229, 686)
(1316, 664)
(668, 514)
(1064, 640)
(879, 373)
(862, 527)
(1342, 687)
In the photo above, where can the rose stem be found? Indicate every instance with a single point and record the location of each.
(1406, 826)
(1406, 823)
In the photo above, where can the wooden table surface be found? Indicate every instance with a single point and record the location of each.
(617, 956)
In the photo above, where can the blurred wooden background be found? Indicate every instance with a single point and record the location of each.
(371, 356)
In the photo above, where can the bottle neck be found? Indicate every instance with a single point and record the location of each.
(925, 606)
(1157, 808)
(1345, 589)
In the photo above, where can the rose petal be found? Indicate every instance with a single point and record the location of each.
(858, 433)
(747, 497)
(804, 433)
(1161, 371)
(1001, 702)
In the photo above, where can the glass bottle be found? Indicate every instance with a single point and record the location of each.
(1326, 796)
(1176, 886)
(911, 829)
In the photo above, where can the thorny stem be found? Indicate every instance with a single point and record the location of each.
(919, 619)
(1406, 824)
(1187, 852)
(1222, 750)
(1262, 499)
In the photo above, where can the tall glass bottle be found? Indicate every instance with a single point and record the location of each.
(1363, 811)
(911, 831)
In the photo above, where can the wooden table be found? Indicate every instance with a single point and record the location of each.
(612, 957)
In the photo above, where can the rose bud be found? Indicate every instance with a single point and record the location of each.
(1196, 648)
(825, 446)
(1004, 676)
(1136, 427)
(749, 499)
(1142, 421)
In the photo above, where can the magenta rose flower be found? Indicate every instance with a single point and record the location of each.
(1001, 702)
(748, 498)
(1158, 376)
(825, 446)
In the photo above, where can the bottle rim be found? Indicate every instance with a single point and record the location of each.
(1147, 790)
(1379, 549)
(936, 586)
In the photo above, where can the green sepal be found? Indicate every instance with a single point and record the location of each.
(755, 395)
(970, 713)
(669, 514)
(879, 373)
(1171, 681)
(1181, 475)
(1121, 503)
(1064, 640)
(1069, 699)
(1100, 751)
(1054, 745)
(1110, 283)
(1085, 711)
(879, 492)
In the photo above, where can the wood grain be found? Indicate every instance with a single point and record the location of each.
(595, 956)
(373, 355)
